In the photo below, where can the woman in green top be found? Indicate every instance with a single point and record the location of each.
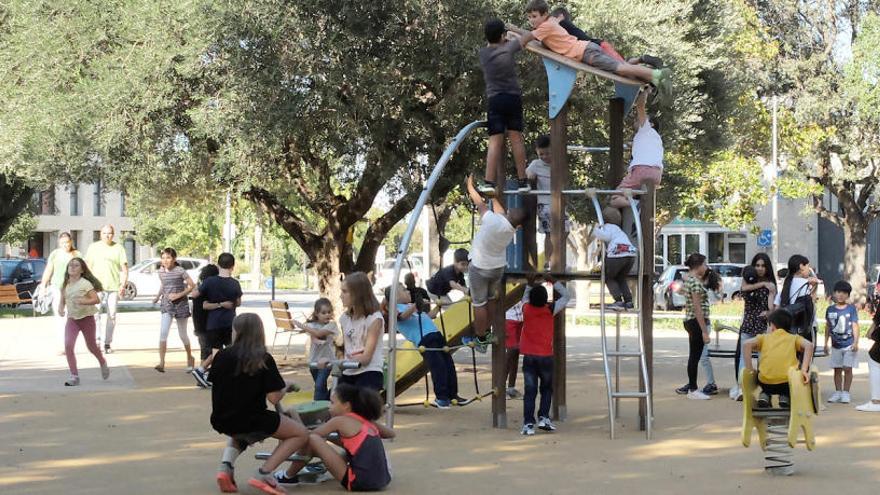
(696, 320)
(53, 276)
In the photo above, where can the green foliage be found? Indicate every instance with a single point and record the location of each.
(21, 229)
(193, 228)
(733, 190)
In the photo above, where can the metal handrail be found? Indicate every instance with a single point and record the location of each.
(401, 254)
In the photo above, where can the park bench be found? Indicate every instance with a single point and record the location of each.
(283, 323)
(9, 297)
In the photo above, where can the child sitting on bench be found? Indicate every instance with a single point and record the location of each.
(779, 350)
(547, 30)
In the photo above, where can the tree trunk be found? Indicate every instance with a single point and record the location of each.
(16, 197)
(854, 258)
(326, 263)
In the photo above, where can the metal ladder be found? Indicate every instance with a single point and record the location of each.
(614, 392)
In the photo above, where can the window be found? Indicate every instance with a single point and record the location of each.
(98, 203)
(736, 248)
(691, 243)
(716, 247)
(129, 246)
(46, 205)
(673, 249)
(74, 200)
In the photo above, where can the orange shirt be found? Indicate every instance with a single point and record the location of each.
(557, 39)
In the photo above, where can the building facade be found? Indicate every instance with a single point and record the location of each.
(81, 210)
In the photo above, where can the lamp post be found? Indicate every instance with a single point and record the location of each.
(774, 164)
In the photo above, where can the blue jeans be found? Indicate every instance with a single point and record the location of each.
(537, 373)
(321, 377)
(442, 367)
(706, 364)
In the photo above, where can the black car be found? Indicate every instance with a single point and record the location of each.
(25, 274)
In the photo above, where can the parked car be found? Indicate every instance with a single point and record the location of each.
(667, 289)
(143, 278)
(385, 271)
(731, 278)
(660, 264)
(873, 287)
(25, 274)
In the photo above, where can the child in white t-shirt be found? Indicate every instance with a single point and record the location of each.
(647, 153)
(620, 255)
(539, 171)
(489, 258)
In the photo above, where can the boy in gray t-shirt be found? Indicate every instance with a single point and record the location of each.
(504, 113)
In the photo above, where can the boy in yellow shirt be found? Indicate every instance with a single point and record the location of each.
(778, 350)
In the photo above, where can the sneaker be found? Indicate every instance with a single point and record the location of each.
(523, 186)
(513, 393)
(105, 370)
(461, 401)
(739, 396)
(683, 390)
(784, 402)
(734, 392)
(629, 305)
(844, 398)
(226, 479)
(282, 478)
(835, 397)
(869, 407)
(616, 306)
(710, 389)
(201, 378)
(528, 429)
(655, 62)
(545, 424)
(763, 400)
(107, 349)
(73, 381)
(697, 395)
(486, 187)
(266, 483)
(441, 404)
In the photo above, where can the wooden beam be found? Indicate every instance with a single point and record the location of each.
(537, 48)
(617, 168)
(558, 180)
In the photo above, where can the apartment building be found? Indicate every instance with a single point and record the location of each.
(81, 209)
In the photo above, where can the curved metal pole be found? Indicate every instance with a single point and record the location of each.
(398, 263)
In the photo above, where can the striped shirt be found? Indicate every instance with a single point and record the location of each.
(694, 286)
(173, 281)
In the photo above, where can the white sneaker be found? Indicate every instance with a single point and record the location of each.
(697, 395)
(545, 424)
(869, 407)
(844, 398)
(528, 429)
(835, 397)
(734, 393)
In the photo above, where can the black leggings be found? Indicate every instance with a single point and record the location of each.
(695, 350)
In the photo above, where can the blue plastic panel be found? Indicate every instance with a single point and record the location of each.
(560, 79)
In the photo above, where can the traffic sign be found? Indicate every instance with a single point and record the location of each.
(765, 238)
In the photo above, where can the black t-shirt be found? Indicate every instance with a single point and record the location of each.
(216, 290)
(874, 352)
(439, 283)
(199, 315)
(239, 401)
(577, 32)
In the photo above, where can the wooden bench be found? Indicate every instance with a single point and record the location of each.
(283, 323)
(9, 296)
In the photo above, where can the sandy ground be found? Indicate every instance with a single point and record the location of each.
(142, 432)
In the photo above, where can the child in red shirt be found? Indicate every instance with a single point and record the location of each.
(536, 347)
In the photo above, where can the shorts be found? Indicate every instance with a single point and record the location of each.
(512, 333)
(257, 427)
(219, 338)
(844, 358)
(505, 113)
(204, 346)
(596, 57)
(248, 439)
(484, 284)
(641, 173)
(544, 220)
(368, 379)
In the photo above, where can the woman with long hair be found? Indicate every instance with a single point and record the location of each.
(758, 292)
(56, 270)
(79, 296)
(696, 321)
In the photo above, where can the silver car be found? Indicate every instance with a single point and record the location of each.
(667, 289)
(143, 278)
(731, 279)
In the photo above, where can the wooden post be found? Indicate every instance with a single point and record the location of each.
(499, 368)
(617, 168)
(558, 180)
(646, 304)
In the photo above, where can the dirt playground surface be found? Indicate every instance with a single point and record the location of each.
(143, 432)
